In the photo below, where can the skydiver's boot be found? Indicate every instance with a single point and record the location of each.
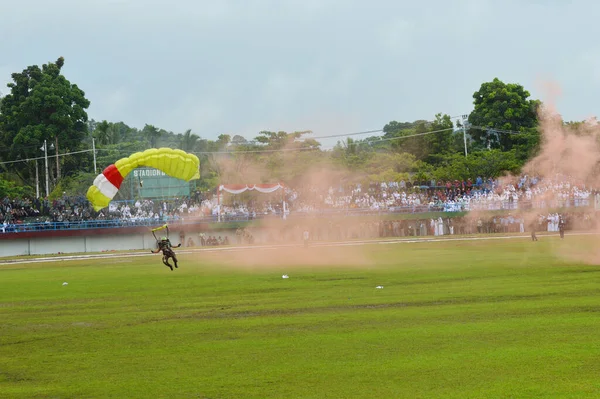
(168, 264)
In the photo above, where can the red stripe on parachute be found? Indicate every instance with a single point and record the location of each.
(113, 175)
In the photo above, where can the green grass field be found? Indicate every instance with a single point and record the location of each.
(467, 319)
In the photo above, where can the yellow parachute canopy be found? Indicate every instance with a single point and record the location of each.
(164, 226)
(175, 163)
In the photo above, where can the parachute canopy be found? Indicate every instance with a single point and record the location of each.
(175, 163)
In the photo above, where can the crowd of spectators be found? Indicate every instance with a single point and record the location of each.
(523, 193)
(449, 196)
(483, 194)
(509, 223)
(68, 211)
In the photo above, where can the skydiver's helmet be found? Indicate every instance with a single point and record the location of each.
(164, 238)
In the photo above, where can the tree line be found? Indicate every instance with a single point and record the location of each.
(500, 134)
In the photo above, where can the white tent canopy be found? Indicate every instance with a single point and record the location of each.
(240, 188)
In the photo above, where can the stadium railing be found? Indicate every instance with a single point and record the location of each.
(239, 217)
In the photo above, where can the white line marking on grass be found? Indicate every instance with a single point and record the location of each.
(281, 246)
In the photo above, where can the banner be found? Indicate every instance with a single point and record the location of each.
(240, 188)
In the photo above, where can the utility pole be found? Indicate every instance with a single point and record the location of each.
(464, 126)
(94, 151)
(46, 164)
(37, 181)
(57, 164)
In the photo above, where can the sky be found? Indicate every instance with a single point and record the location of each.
(329, 66)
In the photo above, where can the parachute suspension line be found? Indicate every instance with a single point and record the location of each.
(164, 226)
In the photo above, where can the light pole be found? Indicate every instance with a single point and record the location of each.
(45, 149)
(94, 151)
(464, 126)
(37, 181)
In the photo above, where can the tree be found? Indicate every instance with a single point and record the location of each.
(390, 166)
(441, 142)
(152, 134)
(238, 140)
(484, 163)
(409, 137)
(500, 106)
(11, 189)
(223, 140)
(391, 129)
(352, 154)
(526, 144)
(123, 133)
(279, 140)
(189, 141)
(412, 138)
(101, 132)
(43, 105)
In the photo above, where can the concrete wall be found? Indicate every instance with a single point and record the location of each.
(91, 243)
(75, 244)
(14, 247)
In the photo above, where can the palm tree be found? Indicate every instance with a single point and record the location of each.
(189, 141)
(152, 134)
(114, 135)
(102, 132)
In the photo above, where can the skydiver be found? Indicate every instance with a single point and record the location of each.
(561, 226)
(165, 246)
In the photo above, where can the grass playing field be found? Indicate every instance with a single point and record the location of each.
(465, 319)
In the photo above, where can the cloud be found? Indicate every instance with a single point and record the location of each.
(5, 78)
(397, 35)
(235, 65)
(590, 65)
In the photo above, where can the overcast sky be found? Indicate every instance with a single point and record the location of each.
(330, 66)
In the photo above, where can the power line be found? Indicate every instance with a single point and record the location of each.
(445, 130)
(19, 147)
(257, 151)
(348, 134)
(226, 152)
(494, 130)
(500, 131)
(408, 126)
(411, 135)
(49, 156)
(312, 148)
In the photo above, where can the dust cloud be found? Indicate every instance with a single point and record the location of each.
(313, 177)
(569, 155)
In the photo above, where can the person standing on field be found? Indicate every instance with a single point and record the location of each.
(533, 226)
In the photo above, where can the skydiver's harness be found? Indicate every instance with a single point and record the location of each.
(165, 244)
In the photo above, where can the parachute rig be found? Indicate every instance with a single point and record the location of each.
(175, 163)
(163, 227)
